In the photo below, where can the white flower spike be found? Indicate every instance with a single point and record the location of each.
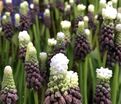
(104, 73)
(24, 36)
(91, 8)
(59, 63)
(109, 12)
(65, 24)
(52, 42)
(81, 7)
(60, 36)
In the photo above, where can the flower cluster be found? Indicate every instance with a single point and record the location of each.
(59, 63)
(109, 12)
(33, 76)
(103, 90)
(8, 94)
(24, 39)
(63, 84)
(104, 73)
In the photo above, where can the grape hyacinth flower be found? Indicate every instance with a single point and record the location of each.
(102, 4)
(9, 6)
(91, 16)
(52, 42)
(59, 47)
(47, 18)
(34, 9)
(34, 78)
(43, 60)
(80, 8)
(8, 93)
(115, 54)
(77, 2)
(65, 25)
(82, 44)
(63, 85)
(25, 18)
(103, 90)
(106, 38)
(7, 26)
(67, 11)
(59, 5)
(24, 39)
(17, 20)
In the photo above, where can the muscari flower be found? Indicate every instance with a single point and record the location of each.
(8, 93)
(60, 45)
(7, 26)
(81, 7)
(60, 5)
(47, 18)
(59, 63)
(71, 2)
(109, 12)
(91, 17)
(34, 78)
(9, 6)
(75, 23)
(103, 90)
(34, 11)
(25, 18)
(102, 3)
(17, 20)
(82, 42)
(24, 39)
(65, 25)
(43, 56)
(67, 10)
(63, 85)
(106, 37)
(115, 54)
(118, 18)
(52, 42)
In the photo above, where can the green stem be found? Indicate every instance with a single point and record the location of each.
(80, 67)
(92, 74)
(36, 38)
(85, 72)
(0, 44)
(38, 28)
(31, 34)
(53, 24)
(18, 69)
(21, 83)
(84, 2)
(119, 101)
(47, 37)
(115, 84)
(119, 3)
(43, 94)
(25, 95)
(36, 97)
(7, 45)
